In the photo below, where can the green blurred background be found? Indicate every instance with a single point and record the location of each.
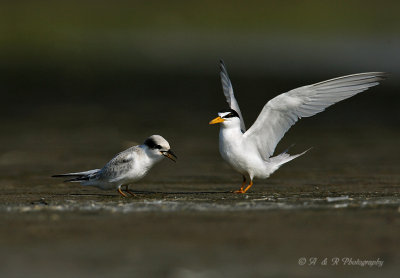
(85, 38)
(80, 77)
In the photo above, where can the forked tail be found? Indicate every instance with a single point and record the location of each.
(279, 160)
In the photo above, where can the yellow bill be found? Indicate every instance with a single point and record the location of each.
(216, 121)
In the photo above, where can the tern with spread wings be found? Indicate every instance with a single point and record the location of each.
(251, 152)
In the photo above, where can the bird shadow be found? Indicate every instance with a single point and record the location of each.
(147, 192)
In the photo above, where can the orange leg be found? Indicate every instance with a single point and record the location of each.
(241, 191)
(242, 187)
(121, 192)
(248, 187)
(130, 192)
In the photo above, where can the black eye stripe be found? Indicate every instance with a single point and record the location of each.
(151, 144)
(231, 113)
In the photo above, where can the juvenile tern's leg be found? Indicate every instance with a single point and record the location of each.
(121, 192)
(130, 192)
(241, 188)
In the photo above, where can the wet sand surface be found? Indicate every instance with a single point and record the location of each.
(199, 234)
(340, 200)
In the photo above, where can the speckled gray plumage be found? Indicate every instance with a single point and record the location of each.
(121, 164)
(126, 167)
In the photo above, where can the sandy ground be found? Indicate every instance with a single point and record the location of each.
(340, 200)
(180, 225)
(264, 233)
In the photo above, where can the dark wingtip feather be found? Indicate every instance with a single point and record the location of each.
(385, 75)
(77, 179)
(382, 75)
(222, 65)
(66, 175)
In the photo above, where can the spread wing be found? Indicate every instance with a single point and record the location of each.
(283, 111)
(228, 92)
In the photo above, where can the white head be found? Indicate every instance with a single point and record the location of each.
(157, 147)
(227, 118)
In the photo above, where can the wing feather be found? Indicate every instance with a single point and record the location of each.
(118, 167)
(228, 92)
(283, 111)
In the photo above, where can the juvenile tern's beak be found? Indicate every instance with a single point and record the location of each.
(216, 121)
(170, 154)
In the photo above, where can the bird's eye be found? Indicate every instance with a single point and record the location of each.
(158, 147)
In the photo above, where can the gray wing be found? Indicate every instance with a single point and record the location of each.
(283, 111)
(118, 167)
(228, 92)
(79, 176)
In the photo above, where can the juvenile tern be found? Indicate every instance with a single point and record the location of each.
(250, 152)
(126, 167)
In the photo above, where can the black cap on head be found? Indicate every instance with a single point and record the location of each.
(231, 113)
(151, 143)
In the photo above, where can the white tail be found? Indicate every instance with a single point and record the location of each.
(279, 160)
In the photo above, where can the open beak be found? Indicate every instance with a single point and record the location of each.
(170, 154)
(216, 121)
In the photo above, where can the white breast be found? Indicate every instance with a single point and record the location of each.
(244, 159)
